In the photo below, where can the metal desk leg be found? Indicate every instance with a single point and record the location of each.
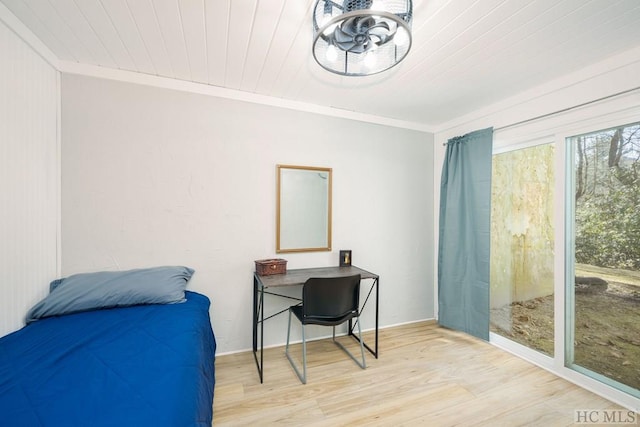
(376, 285)
(258, 310)
(377, 311)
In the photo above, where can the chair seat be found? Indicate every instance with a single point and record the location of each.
(321, 320)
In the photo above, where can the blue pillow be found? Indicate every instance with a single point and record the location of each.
(107, 289)
(54, 284)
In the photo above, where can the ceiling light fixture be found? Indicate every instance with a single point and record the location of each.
(361, 37)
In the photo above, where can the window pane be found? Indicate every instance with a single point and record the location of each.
(606, 294)
(522, 246)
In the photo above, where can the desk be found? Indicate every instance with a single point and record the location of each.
(297, 278)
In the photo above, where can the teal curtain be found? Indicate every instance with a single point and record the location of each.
(465, 220)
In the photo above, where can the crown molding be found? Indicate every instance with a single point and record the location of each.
(238, 95)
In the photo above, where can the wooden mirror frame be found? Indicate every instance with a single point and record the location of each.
(281, 207)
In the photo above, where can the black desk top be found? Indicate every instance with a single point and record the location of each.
(299, 276)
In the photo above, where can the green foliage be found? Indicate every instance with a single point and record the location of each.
(608, 229)
(608, 211)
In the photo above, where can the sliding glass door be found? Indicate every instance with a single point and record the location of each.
(603, 299)
(522, 247)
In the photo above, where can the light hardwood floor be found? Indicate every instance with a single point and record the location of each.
(425, 376)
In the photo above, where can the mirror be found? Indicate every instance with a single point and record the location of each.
(303, 209)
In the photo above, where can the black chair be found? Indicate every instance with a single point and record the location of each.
(329, 301)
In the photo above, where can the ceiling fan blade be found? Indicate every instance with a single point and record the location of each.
(346, 46)
(379, 32)
(379, 38)
(382, 25)
(341, 37)
(350, 26)
(358, 48)
(363, 24)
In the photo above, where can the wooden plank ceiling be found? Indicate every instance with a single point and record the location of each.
(465, 53)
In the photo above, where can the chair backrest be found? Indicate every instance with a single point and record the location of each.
(327, 299)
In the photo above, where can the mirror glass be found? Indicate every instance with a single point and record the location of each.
(303, 211)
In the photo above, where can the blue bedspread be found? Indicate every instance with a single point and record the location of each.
(150, 365)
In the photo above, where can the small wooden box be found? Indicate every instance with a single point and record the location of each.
(267, 267)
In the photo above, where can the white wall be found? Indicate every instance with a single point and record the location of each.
(154, 176)
(29, 178)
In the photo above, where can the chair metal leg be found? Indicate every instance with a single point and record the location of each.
(286, 349)
(304, 357)
(303, 376)
(362, 364)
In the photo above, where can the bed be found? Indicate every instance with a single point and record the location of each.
(149, 364)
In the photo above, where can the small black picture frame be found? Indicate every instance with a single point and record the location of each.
(345, 258)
